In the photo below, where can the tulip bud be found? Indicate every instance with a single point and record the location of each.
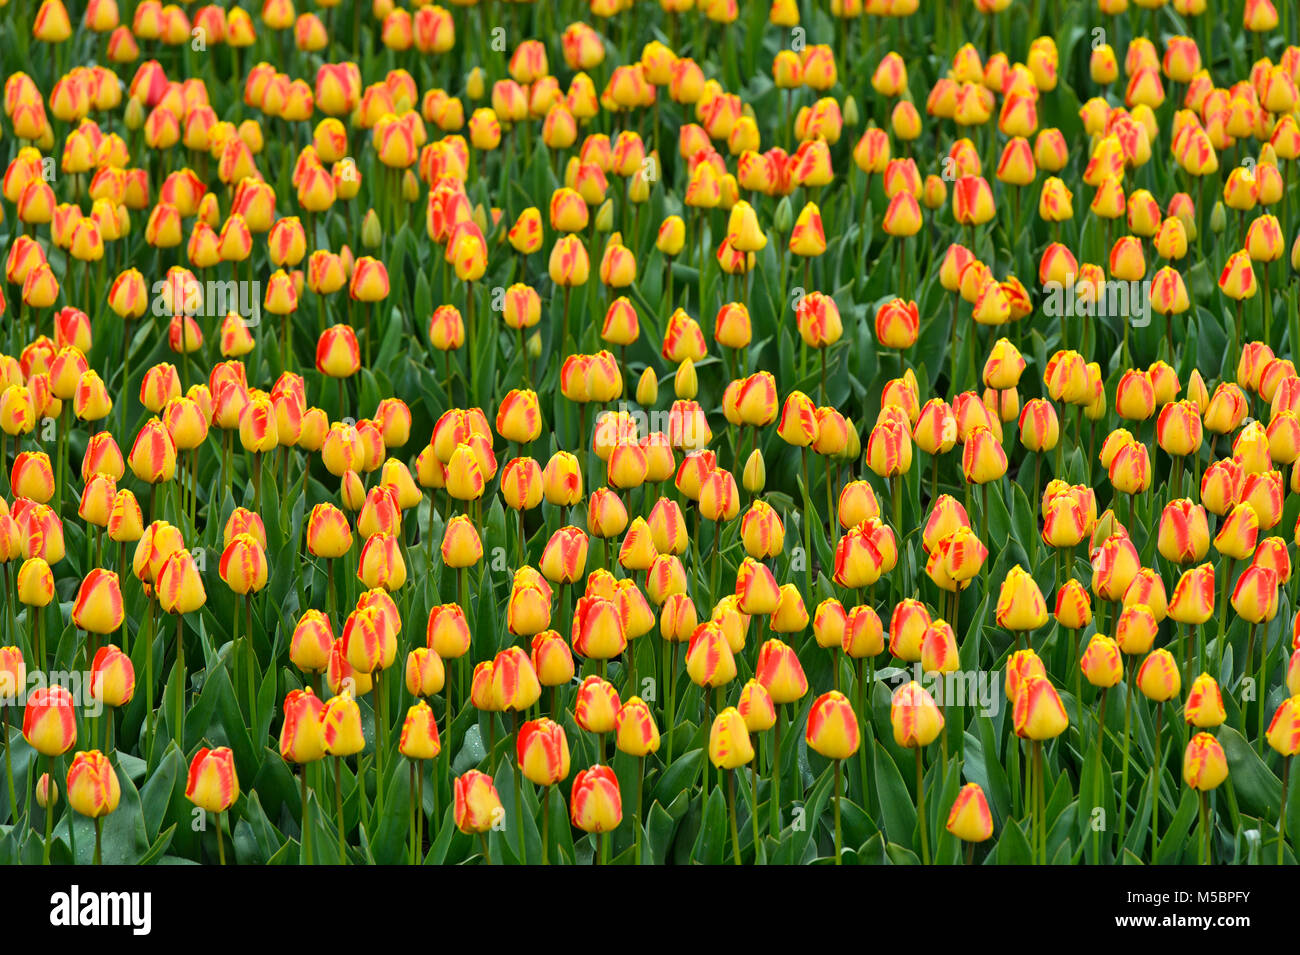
(477, 807)
(729, 744)
(635, 729)
(595, 804)
(93, 787)
(915, 718)
(1205, 766)
(212, 784)
(47, 792)
(970, 819)
(833, 726)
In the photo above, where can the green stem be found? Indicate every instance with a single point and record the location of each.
(306, 821)
(49, 811)
(920, 808)
(774, 805)
(731, 816)
(1128, 729)
(839, 836)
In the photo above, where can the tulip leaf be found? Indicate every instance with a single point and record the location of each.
(679, 776)
(711, 842)
(660, 827)
(157, 792)
(255, 839)
(897, 808)
(901, 855)
(1178, 831)
(1013, 847)
(1257, 788)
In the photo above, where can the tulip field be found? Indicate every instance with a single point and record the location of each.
(646, 432)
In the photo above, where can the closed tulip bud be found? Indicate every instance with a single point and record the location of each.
(35, 583)
(647, 389)
(1135, 396)
(93, 788)
(565, 556)
(939, 652)
(595, 802)
(302, 738)
(756, 588)
(243, 565)
(112, 677)
(1147, 588)
(935, 431)
(1038, 712)
(1263, 492)
(1272, 553)
(551, 659)
(461, 546)
(665, 578)
(477, 807)
(832, 728)
(970, 819)
(1136, 628)
(562, 480)
(338, 354)
(915, 718)
(1240, 531)
(596, 706)
(1158, 677)
(780, 673)
(710, 661)
(313, 638)
(1284, 729)
(863, 634)
(1039, 426)
(98, 608)
(1130, 468)
(1021, 606)
(598, 628)
(818, 320)
(830, 623)
(542, 750)
(1205, 766)
(1193, 599)
(635, 729)
(328, 532)
(1255, 597)
(419, 738)
(729, 744)
(907, 629)
(762, 532)
(447, 633)
(1237, 280)
(677, 619)
(32, 476)
(1102, 663)
(153, 455)
(1073, 606)
(212, 784)
(515, 686)
(858, 560)
(425, 673)
(1204, 707)
(983, 458)
(381, 563)
(1221, 486)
